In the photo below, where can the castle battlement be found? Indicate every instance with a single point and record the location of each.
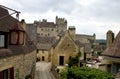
(60, 20)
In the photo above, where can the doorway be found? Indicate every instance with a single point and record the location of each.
(43, 58)
(61, 60)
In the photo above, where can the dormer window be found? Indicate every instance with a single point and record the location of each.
(16, 35)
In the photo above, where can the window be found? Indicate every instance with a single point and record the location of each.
(43, 58)
(7, 74)
(48, 34)
(51, 29)
(16, 38)
(2, 40)
(21, 37)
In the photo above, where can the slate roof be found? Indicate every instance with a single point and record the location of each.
(6, 24)
(45, 42)
(46, 25)
(16, 26)
(89, 37)
(6, 20)
(114, 49)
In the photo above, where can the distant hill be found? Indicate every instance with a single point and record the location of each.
(101, 41)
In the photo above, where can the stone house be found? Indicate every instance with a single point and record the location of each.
(112, 56)
(17, 54)
(43, 34)
(48, 33)
(44, 45)
(65, 48)
(88, 41)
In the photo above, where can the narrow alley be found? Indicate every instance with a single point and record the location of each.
(43, 71)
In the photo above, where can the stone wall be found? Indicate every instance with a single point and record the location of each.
(66, 48)
(23, 64)
(45, 54)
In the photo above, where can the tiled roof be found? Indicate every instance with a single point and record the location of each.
(47, 24)
(17, 26)
(89, 37)
(45, 42)
(114, 49)
(6, 24)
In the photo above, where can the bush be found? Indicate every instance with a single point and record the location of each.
(86, 73)
(28, 76)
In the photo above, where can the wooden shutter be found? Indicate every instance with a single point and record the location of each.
(1, 75)
(12, 73)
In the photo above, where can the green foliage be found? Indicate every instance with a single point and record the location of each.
(86, 73)
(99, 52)
(79, 54)
(28, 76)
(73, 61)
(63, 74)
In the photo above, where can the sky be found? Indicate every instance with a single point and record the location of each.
(88, 16)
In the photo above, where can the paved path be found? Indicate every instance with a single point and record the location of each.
(43, 71)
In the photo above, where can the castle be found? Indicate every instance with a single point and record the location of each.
(48, 36)
(50, 29)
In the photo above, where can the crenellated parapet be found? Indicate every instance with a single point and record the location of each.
(60, 20)
(61, 24)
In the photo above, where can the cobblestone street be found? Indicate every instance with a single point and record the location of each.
(43, 71)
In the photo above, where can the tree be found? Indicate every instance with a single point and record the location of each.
(86, 73)
(73, 61)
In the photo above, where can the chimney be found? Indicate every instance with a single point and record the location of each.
(23, 24)
(71, 31)
(110, 38)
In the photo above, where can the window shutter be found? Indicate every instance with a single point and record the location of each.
(1, 75)
(12, 73)
(21, 37)
(14, 37)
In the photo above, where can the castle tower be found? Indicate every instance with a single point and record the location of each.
(94, 35)
(110, 38)
(71, 31)
(61, 24)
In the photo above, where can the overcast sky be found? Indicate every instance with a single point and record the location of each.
(88, 16)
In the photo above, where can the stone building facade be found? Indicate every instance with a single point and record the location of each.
(44, 45)
(50, 29)
(69, 45)
(64, 48)
(17, 54)
(43, 34)
(50, 33)
(111, 57)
